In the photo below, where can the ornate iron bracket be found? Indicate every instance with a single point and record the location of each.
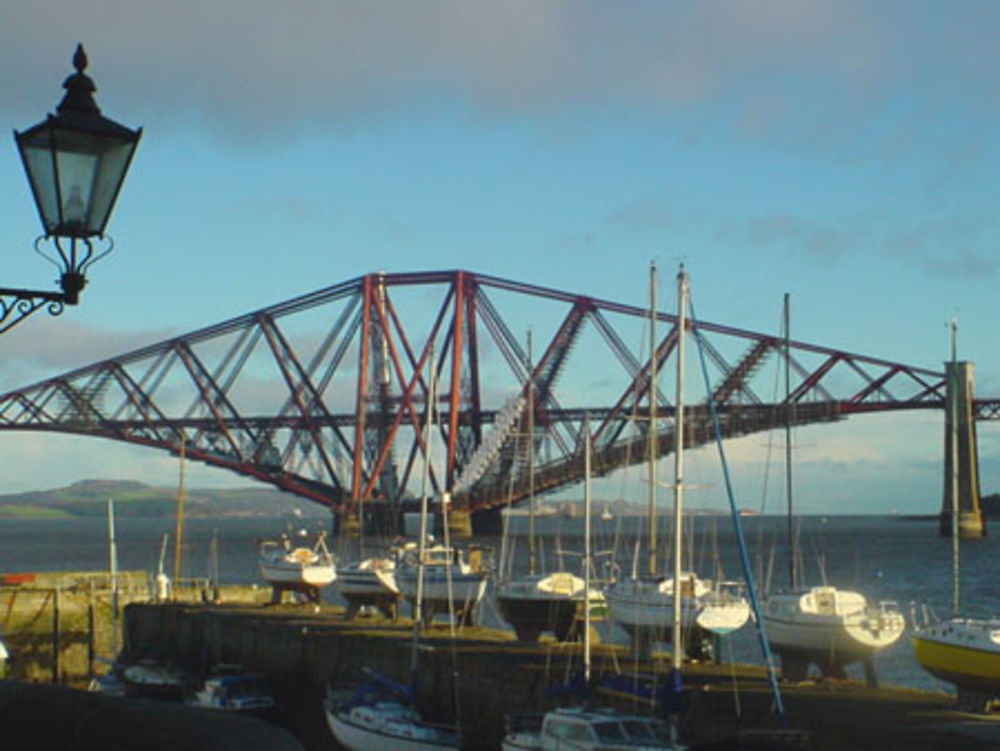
(18, 304)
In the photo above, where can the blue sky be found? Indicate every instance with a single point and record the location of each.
(844, 152)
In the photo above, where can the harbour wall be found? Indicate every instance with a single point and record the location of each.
(61, 627)
(484, 674)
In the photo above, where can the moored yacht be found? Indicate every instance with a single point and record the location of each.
(236, 691)
(379, 715)
(449, 580)
(830, 626)
(643, 607)
(546, 602)
(652, 607)
(591, 730)
(823, 624)
(962, 651)
(370, 582)
(298, 568)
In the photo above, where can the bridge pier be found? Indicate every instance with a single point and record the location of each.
(348, 525)
(961, 453)
(459, 524)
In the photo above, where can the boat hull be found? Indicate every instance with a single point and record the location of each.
(402, 732)
(288, 577)
(840, 629)
(531, 616)
(536, 603)
(645, 607)
(465, 589)
(154, 681)
(370, 582)
(296, 569)
(964, 652)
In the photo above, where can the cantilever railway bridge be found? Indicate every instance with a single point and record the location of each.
(326, 395)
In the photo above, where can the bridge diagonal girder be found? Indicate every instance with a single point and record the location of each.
(286, 394)
(516, 358)
(392, 330)
(210, 398)
(302, 398)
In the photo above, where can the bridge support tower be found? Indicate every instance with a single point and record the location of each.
(961, 456)
(459, 524)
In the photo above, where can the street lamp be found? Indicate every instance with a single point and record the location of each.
(76, 162)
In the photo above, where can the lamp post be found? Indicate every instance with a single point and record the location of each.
(76, 161)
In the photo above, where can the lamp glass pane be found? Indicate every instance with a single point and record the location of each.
(40, 167)
(76, 181)
(108, 180)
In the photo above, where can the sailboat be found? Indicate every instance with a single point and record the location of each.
(589, 728)
(822, 624)
(654, 607)
(537, 602)
(440, 577)
(302, 568)
(380, 714)
(961, 650)
(370, 581)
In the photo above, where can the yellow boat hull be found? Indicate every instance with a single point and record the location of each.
(971, 666)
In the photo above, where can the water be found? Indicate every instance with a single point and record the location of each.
(886, 558)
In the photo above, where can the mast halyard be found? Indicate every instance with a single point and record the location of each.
(113, 575)
(531, 461)
(586, 549)
(653, 356)
(179, 524)
(422, 542)
(789, 418)
(678, 646)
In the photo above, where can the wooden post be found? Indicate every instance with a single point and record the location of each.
(90, 639)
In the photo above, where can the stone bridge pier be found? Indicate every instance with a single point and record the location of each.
(961, 461)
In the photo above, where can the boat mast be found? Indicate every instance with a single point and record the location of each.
(653, 356)
(179, 530)
(953, 414)
(531, 461)
(113, 571)
(422, 542)
(792, 546)
(586, 548)
(678, 651)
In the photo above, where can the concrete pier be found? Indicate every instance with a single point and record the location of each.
(961, 459)
(485, 674)
(61, 626)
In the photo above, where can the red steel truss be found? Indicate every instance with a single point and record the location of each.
(325, 395)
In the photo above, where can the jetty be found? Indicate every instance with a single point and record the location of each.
(485, 674)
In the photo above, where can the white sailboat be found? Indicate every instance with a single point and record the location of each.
(589, 728)
(536, 602)
(961, 650)
(823, 624)
(654, 607)
(370, 581)
(380, 713)
(442, 579)
(299, 568)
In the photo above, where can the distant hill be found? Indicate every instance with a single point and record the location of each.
(90, 498)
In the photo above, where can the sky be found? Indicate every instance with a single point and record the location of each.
(843, 152)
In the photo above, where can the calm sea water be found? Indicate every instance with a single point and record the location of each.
(886, 558)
